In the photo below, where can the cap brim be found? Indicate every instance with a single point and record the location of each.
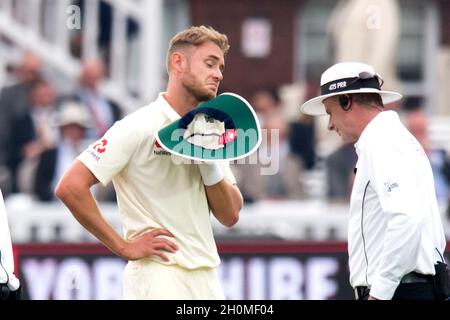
(315, 106)
(247, 125)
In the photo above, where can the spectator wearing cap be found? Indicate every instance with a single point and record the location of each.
(72, 121)
(395, 232)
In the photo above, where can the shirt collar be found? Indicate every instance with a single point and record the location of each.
(167, 108)
(378, 123)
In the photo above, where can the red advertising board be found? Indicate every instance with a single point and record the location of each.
(251, 270)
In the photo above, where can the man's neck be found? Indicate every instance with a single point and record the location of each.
(365, 117)
(180, 99)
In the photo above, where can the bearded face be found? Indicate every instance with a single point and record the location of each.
(204, 71)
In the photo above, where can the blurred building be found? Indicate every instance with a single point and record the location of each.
(299, 45)
(129, 36)
(273, 43)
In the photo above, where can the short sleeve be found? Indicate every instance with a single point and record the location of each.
(106, 157)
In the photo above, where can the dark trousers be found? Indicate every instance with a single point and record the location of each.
(415, 291)
(8, 295)
(406, 291)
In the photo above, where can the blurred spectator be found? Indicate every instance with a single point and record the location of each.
(266, 102)
(296, 139)
(15, 101)
(302, 132)
(33, 133)
(301, 139)
(417, 124)
(340, 172)
(103, 111)
(76, 44)
(73, 121)
(277, 174)
(327, 141)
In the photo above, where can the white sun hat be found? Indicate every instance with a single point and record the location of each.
(347, 78)
(72, 112)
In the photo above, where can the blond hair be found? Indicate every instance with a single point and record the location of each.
(196, 36)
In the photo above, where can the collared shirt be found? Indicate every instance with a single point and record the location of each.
(6, 254)
(395, 225)
(100, 110)
(154, 188)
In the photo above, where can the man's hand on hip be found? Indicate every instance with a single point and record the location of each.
(149, 244)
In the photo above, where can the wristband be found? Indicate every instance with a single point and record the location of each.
(211, 173)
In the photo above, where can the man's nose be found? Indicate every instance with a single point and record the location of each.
(219, 75)
(330, 125)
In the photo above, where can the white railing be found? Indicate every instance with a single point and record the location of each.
(315, 220)
(46, 27)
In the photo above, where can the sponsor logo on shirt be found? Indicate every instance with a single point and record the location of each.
(159, 151)
(92, 153)
(390, 185)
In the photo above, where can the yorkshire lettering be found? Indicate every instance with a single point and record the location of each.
(279, 278)
(73, 278)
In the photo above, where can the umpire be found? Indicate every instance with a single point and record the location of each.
(395, 233)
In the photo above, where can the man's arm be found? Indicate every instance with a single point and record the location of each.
(74, 191)
(224, 198)
(225, 201)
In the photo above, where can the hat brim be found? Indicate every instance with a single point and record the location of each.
(74, 122)
(315, 106)
(247, 125)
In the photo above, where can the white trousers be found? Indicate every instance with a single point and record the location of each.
(149, 280)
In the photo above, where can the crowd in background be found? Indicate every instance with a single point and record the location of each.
(42, 132)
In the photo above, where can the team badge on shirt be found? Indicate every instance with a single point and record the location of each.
(97, 149)
(100, 146)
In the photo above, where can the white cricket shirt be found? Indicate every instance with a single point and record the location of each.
(153, 190)
(395, 223)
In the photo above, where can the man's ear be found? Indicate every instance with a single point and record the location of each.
(178, 61)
